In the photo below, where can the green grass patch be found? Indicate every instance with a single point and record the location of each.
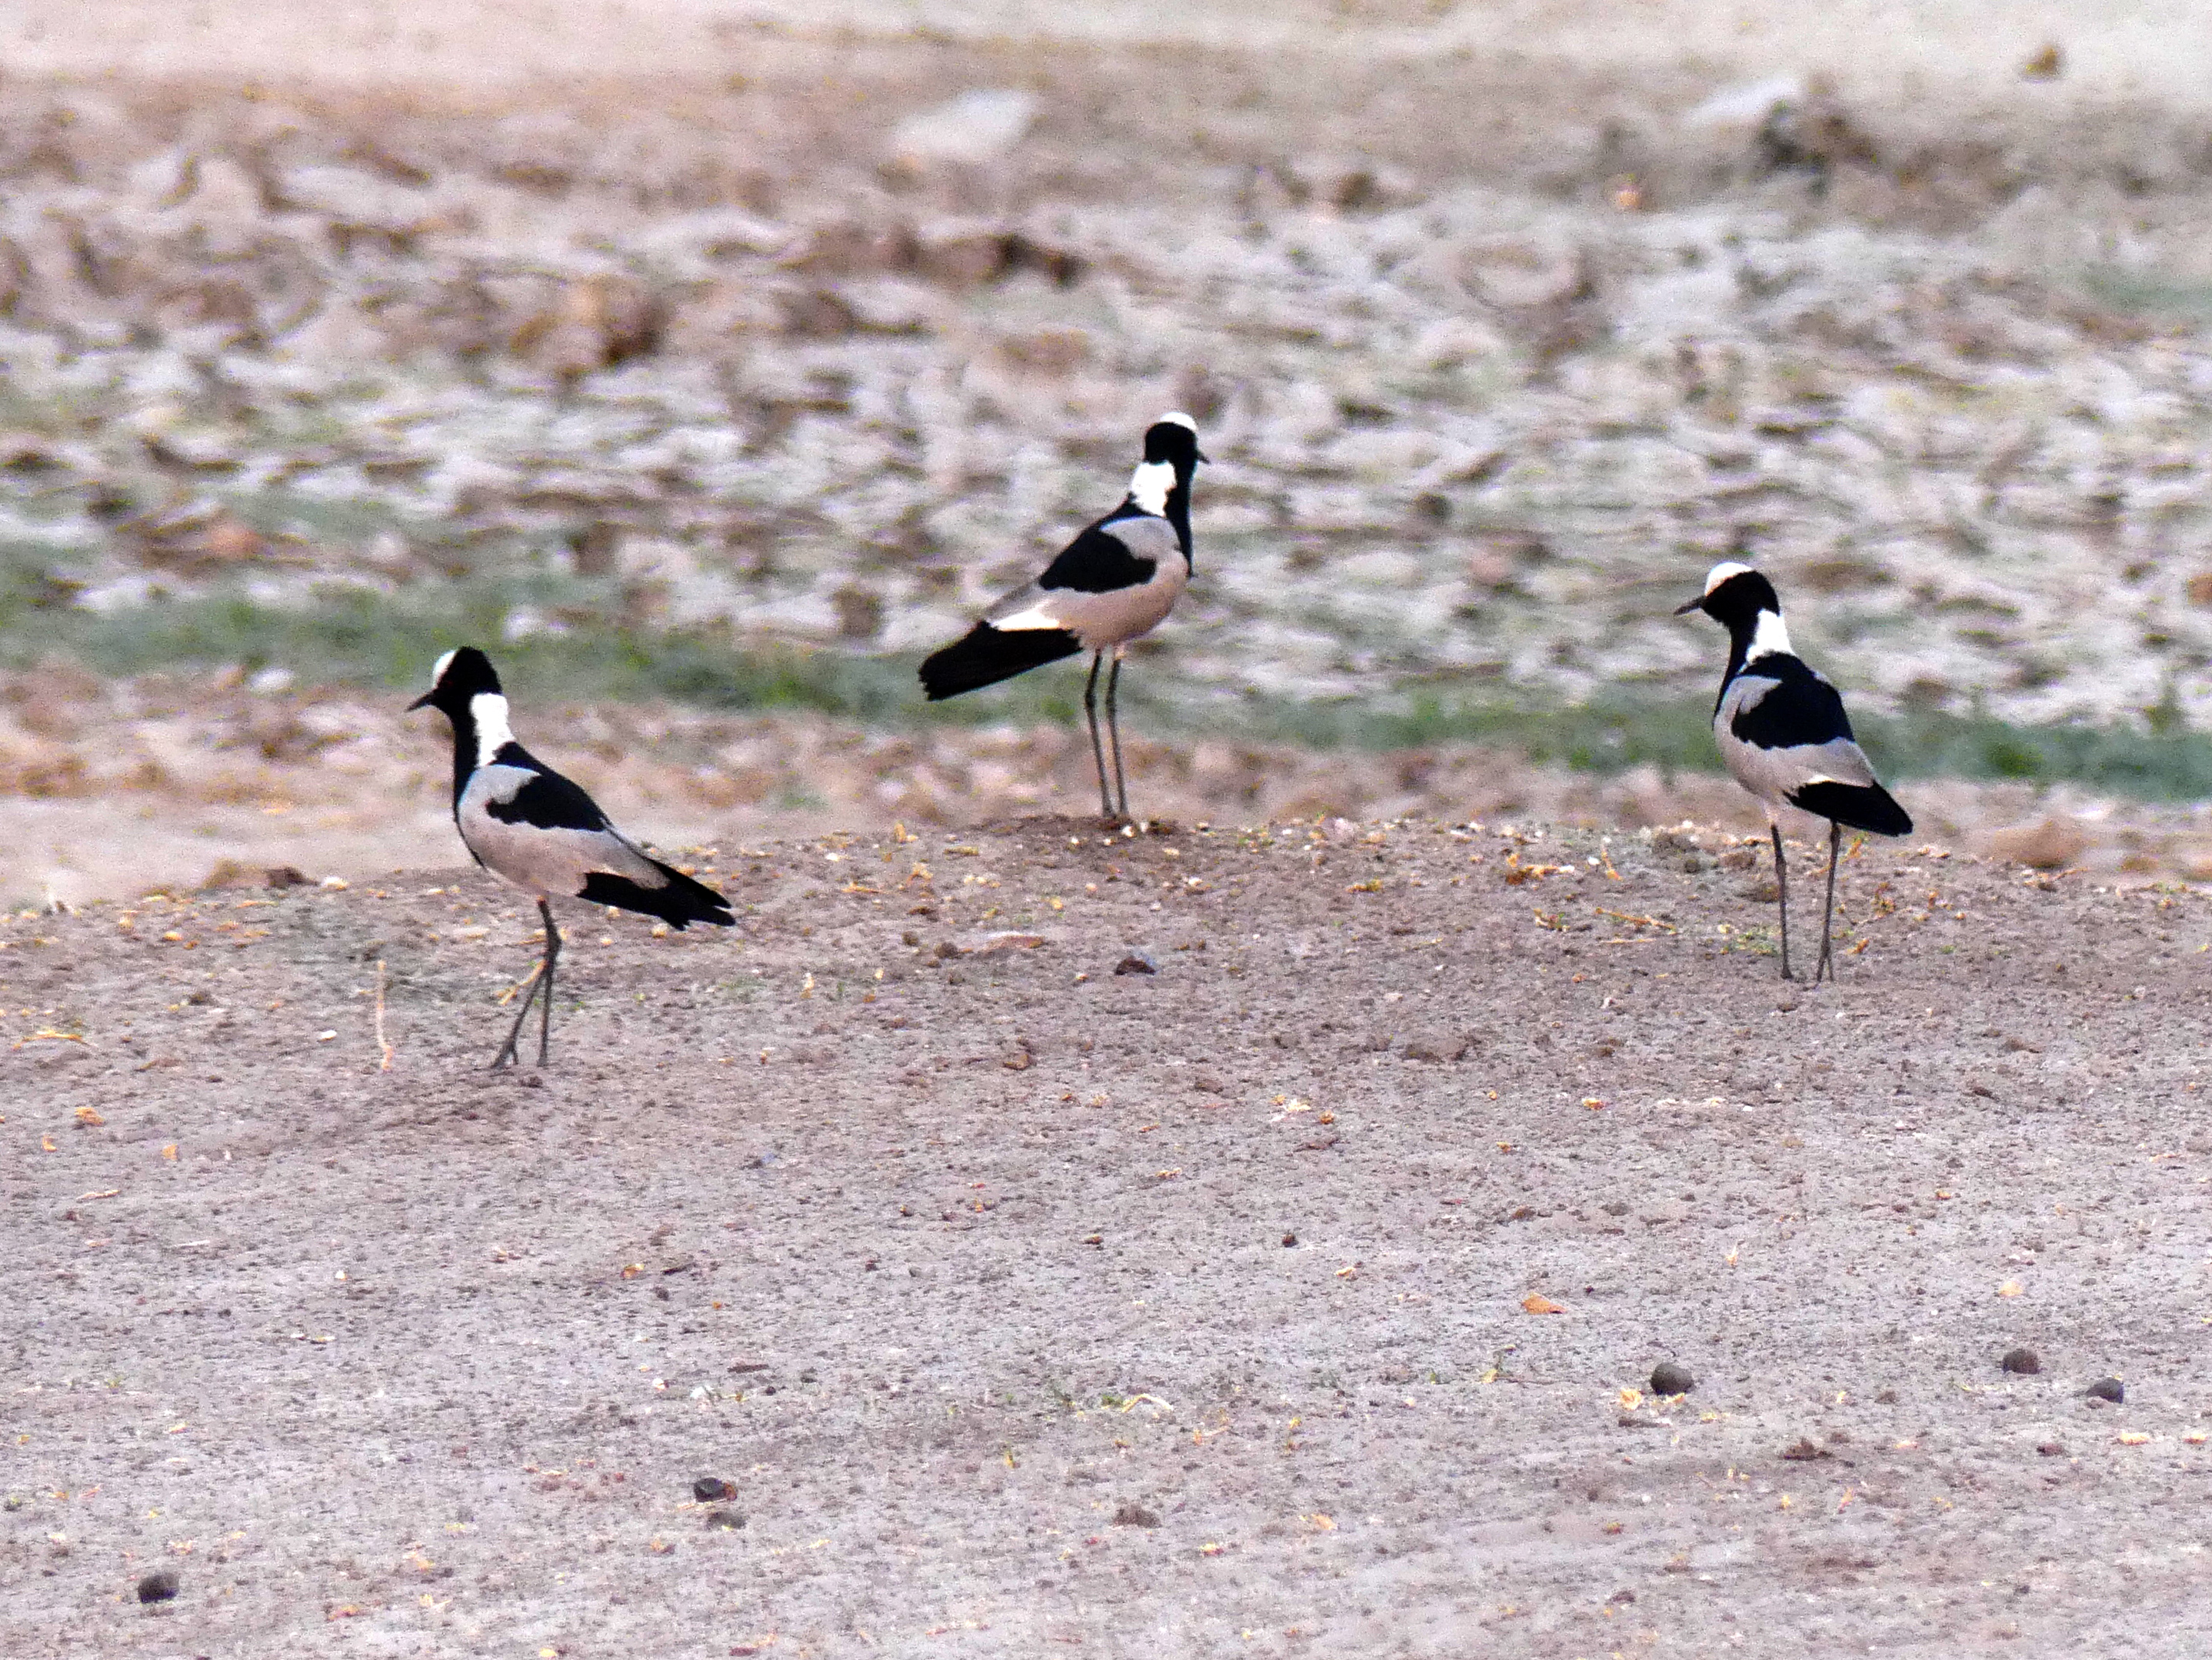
(1675, 734)
(2149, 292)
(361, 637)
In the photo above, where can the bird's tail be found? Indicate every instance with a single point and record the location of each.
(985, 655)
(678, 902)
(1856, 806)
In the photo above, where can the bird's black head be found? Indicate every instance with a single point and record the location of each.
(1735, 595)
(459, 676)
(1173, 438)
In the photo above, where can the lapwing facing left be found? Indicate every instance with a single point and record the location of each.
(1114, 583)
(1785, 736)
(527, 824)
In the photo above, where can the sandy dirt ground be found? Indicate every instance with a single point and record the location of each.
(1301, 1297)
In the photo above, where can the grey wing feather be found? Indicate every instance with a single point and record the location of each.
(543, 861)
(1116, 615)
(1772, 774)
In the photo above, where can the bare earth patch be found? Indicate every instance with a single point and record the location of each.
(1299, 1295)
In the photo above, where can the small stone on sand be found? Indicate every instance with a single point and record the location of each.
(1668, 1378)
(2023, 1361)
(159, 1586)
(708, 1488)
(2108, 1389)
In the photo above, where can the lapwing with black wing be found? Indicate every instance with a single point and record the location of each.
(1113, 584)
(527, 824)
(1785, 737)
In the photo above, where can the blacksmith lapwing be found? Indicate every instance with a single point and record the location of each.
(1785, 736)
(524, 823)
(1114, 582)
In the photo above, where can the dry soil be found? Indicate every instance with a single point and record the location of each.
(1300, 1297)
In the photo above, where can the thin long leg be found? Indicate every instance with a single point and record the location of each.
(545, 1002)
(1114, 733)
(507, 1051)
(1826, 965)
(1098, 755)
(1782, 897)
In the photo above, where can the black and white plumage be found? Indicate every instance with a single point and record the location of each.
(1783, 734)
(528, 825)
(1114, 583)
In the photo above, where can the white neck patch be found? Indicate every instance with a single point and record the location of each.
(489, 710)
(1768, 638)
(1150, 484)
(1722, 572)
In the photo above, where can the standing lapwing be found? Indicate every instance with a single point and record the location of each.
(1785, 736)
(1114, 582)
(524, 823)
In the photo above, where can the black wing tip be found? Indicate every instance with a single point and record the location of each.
(679, 901)
(1867, 807)
(984, 656)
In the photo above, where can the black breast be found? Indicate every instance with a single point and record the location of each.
(1802, 708)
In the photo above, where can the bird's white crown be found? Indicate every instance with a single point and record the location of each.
(1177, 418)
(1724, 572)
(437, 669)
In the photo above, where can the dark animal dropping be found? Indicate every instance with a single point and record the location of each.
(707, 1488)
(1668, 1378)
(2023, 1361)
(159, 1586)
(2108, 1389)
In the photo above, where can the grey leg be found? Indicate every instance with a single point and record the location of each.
(545, 1002)
(1781, 893)
(507, 1056)
(1826, 965)
(1114, 733)
(1098, 755)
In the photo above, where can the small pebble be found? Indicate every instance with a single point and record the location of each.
(1135, 1515)
(1137, 963)
(1668, 1378)
(708, 1488)
(2023, 1361)
(2108, 1389)
(1289, 1239)
(158, 1586)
